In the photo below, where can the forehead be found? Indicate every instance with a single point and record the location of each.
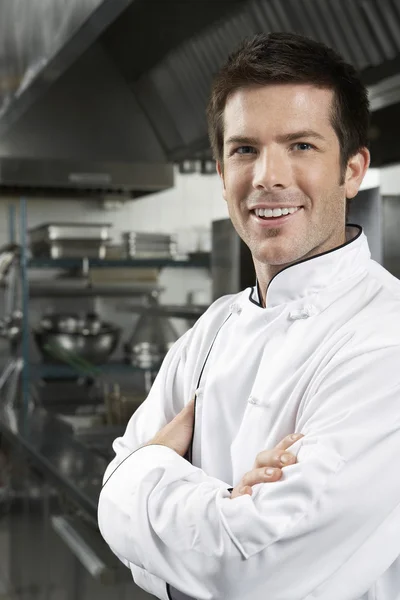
(287, 107)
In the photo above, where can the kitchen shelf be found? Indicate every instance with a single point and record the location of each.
(59, 371)
(66, 288)
(178, 311)
(77, 263)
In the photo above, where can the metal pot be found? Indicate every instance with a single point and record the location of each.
(92, 347)
(71, 323)
(152, 337)
(11, 326)
(61, 323)
(8, 254)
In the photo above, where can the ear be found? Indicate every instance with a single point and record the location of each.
(356, 169)
(220, 172)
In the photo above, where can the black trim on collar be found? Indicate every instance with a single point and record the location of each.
(259, 295)
(305, 260)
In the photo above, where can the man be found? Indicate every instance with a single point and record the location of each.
(313, 348)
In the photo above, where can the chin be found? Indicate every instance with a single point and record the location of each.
(275, 257)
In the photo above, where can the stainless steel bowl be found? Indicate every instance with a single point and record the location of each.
(72, 323)
(63, 323)
(146, 355)
(61, 347)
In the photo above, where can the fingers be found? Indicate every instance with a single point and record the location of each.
(268, 466)
(277, 457)
(253, 477)
(274, 458)
(288, 441)
(260, 475)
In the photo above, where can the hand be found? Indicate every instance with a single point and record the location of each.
(267, 467)
(177, 434)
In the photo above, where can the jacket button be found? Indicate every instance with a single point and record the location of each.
(253, 400)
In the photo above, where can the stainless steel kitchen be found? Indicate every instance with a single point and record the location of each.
(116, 240)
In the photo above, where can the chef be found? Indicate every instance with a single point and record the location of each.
(313, 348)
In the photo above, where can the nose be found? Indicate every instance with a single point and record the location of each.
(272, 170)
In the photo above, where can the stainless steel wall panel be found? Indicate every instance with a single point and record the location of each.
(366, 210)
(391, 236)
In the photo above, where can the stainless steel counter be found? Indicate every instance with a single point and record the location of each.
(54, 543)
(51, 447)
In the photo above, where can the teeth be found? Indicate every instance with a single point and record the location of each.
(276, 212)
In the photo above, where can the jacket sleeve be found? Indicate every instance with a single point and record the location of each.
(327, 530)
(165, 400)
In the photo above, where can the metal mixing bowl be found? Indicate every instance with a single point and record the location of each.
(94, 348)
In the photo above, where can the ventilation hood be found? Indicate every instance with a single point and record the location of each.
(62, 177)
(110, 93)
(70, 121)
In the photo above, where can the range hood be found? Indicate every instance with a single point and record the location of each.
(70, 122)
(118, 92)
(66, 178)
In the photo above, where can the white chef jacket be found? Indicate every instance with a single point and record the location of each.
(322, 359)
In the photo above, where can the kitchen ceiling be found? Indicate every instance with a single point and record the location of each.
(139, 87)
(174, 92)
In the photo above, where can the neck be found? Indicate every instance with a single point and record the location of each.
(266, 272)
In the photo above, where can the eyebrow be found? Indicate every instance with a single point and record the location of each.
(287, 137)
(304, 133)
(241, 139)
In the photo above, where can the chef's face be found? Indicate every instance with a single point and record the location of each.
(280, 149)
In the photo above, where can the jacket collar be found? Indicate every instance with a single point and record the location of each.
(313, 275)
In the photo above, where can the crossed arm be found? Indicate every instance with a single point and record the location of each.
(320, 530)
(268, 464)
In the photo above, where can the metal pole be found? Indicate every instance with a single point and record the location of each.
(25, 307)
(11, 223)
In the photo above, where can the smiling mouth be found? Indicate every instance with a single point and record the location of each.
(268, 214)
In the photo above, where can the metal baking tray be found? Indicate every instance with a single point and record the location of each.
(69, 249)
(147, 237)
(149, 245)
(70, 231)
(152, 254)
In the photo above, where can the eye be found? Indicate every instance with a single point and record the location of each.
(244, 150)
(303, 146)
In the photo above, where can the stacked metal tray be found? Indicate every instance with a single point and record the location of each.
(70, 240)
(149, 245)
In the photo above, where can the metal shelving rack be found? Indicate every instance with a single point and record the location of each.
(33, 371)
(72, 263)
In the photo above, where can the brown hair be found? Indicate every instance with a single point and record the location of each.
(292, 58)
